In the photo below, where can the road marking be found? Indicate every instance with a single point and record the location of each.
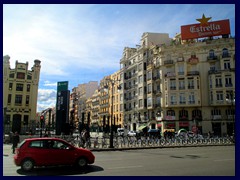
(224, 160)
(126, 167)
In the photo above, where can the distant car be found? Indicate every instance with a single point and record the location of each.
(50, 152)
(120, 131)
(131, 133)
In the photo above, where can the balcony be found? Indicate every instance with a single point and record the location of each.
(168, 62)
(180, 59)
(219, 85)
(170, 74)
(212, 58)
(228, 85)
(193, 73)
(214, 72)
(180, 73)
(181, 87)
(226, 55)
(173, 88)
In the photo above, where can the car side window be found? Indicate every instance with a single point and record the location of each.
(36, 144)
(60, 145)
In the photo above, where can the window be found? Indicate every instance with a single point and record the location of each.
(149, 75)
(149, 101)
(140, 103)
(19, 87)
(182, 98)
(181, 69)
(227, 64)
(172, 84)
(140, 79)
(20, 75)
(121, 97)
(140, 91)
(29, 77)
(181, 84)
(215, 112)
(218, 81)
(225, 53)
(10, 86)
(36, 144)
(9, 98)
(149, 88)
(27, 100)
(173, 99)
(191, 98)
(11, 75)
(18, 99)
(170, 113)
(158, 101)
(211, 53)
(190, 84)
(228, 81)
(219, 96)
(183, 114)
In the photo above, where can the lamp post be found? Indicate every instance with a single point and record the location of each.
(112, 82)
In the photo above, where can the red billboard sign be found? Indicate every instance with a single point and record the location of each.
(214, 28)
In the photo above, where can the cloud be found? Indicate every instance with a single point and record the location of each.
(46, 99)
(48, 83)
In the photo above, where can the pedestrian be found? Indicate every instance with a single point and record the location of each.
(16, 140)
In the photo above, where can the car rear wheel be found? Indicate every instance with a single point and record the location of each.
(82, 162)
(27, 165)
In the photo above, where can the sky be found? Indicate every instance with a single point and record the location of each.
(85, 42)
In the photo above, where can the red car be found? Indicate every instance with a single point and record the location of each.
(50, 152)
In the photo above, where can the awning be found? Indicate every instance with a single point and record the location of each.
(142, 127)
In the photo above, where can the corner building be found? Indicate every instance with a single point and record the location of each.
(171, 84)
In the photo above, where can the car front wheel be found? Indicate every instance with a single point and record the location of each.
(27, 165)
(82, 162)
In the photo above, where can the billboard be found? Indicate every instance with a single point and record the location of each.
(208, 29)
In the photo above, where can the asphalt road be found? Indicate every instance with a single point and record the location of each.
(187, 161)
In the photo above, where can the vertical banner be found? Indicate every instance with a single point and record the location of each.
(62, 107)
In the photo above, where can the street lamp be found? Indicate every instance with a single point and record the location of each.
(112, 82)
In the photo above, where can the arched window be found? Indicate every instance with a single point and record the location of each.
(211, 53)
(197, 114)
(170, 113)
(225, 52)
(183, 115)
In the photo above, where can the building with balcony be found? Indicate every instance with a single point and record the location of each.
(187, 85)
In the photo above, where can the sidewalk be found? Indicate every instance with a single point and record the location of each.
(7, 149)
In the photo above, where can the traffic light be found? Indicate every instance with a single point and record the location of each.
(42, 118)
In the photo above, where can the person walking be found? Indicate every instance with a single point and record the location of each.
(15, 140)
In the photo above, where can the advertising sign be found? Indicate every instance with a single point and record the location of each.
(206, 29)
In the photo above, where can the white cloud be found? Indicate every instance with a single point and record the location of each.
(48, 83)
(46, 99)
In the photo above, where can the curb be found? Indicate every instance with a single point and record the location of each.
(153, 147)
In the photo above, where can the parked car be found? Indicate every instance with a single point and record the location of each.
(131, 133)
(50, 152)
(154, 133)
(120, 131)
